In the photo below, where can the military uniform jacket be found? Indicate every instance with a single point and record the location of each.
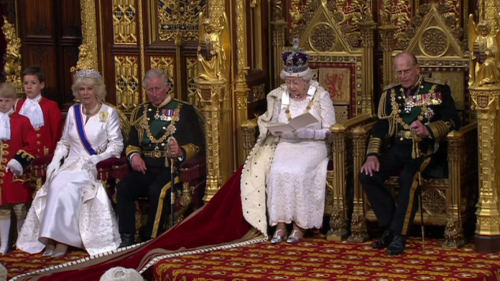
(430, 102)
(49, 134)
(22, 146)
(152, 126)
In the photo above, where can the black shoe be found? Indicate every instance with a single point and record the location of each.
(384, 241)
(397, 245)
(127, 240)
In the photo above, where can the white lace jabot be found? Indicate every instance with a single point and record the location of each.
(5, 125)
(31, 109)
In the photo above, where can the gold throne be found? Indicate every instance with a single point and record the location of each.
(450, 183)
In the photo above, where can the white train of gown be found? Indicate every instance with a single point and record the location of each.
(72, 207)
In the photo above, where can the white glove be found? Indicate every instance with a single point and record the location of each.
(15, 167)
(54, 164)
(95, 159)
(306, 133)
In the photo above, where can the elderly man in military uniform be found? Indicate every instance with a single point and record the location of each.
(412, 116)
(162, 129)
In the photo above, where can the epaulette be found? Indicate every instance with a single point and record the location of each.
(435, 81)
(135, 112)
(390, 86)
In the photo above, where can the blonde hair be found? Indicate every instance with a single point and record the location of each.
(7, 90)
(97, 84)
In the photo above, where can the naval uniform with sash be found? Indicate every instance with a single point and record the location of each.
(151, 129)
(428, 101)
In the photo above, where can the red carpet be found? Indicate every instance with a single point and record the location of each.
(318, 259)
(313, 259)
(18, 262)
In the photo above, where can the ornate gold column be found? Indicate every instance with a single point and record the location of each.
(13, 54)
(88, 56)
(241, 89)
(485, 102)
(387, 43)
(213, 71)
(278, 25)
(387, 31)
(368, 27)
(359, 231)
(485, 93)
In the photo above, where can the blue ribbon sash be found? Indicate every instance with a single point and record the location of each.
(81, 131)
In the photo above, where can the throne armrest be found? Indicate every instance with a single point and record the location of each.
(194, 168)
(464, 140)
(105, 169)
(39, 165)
(120, 168)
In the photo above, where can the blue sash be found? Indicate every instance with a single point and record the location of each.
(81, 131)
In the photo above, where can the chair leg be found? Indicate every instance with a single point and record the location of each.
(421, 206)
(138, 222)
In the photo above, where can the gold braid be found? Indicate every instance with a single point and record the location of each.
(382, 113)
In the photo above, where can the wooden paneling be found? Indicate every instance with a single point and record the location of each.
(50, 33)
(38, 21)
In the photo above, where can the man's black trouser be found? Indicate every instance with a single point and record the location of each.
(397, 159)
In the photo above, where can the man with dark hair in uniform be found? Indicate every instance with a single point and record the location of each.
(412, 116)
(162, 128)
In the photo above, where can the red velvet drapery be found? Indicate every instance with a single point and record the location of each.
(220, 221)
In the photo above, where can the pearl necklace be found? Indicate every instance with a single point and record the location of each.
(92, 111)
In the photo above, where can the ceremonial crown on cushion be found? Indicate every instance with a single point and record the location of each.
(295, 60)
(88, 73)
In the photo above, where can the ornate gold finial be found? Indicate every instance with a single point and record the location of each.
(13, 65)
(83, 60)
(211, 53)
(386, 12)
(485, 56)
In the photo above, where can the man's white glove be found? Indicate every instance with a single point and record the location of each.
(15, 167)
(306, 133)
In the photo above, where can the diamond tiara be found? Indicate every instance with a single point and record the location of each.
(88, 73)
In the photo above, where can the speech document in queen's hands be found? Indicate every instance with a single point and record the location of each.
(299, 122)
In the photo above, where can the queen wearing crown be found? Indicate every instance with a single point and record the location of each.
(290, 168)
(72, 207)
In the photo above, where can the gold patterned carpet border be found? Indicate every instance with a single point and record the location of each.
(318, 259)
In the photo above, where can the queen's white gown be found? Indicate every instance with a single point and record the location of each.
(72, 207)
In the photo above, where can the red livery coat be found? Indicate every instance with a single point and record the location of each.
(22, 146)
(50, 133)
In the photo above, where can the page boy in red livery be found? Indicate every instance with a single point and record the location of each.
(44, 114)
(18, 145)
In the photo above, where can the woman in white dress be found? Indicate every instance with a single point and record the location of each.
(294, 164)
(72, 208)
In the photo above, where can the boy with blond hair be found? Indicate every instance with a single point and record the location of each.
(18, 145)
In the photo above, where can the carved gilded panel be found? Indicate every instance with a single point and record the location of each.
(257, 93)
(167, 64)
(127, 82)
(397, 13)
(125, 22)
(346, 14)
(177, 18)
(191, 84)
(341, 113)
(456, 81)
